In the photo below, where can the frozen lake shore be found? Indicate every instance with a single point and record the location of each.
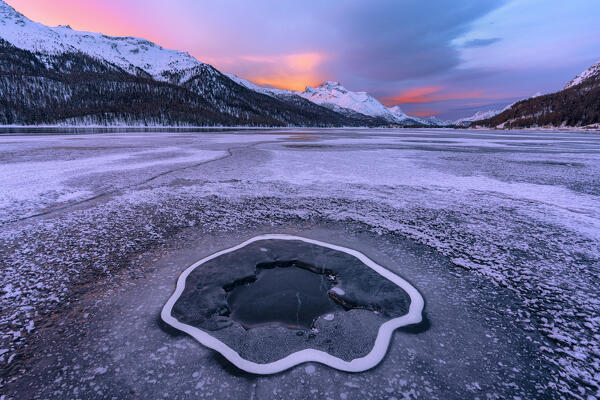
(499, 231)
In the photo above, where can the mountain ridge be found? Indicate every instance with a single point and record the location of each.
(333, 95)
(576, 105)
(128, 52)
(235, 100)
(178, 76)
(177, 89)
(590, 73)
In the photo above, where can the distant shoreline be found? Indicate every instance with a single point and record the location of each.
(251, 128)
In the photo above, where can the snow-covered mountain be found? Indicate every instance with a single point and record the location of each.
(335, 96)
(134, 55)
(590, 73)
(577, 105)
(339, 99)
(478, 116)
(56, 75)
(260, 89)
(398, 113)
(432, 121)
(414, 120)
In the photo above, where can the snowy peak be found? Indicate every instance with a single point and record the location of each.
(432, 121)
(478, 116)
(210, 97)
(591, 72)
(408, 119)
(130, 53)
(336, 97)
(397, 111)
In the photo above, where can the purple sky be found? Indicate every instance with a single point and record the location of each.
(444, 58)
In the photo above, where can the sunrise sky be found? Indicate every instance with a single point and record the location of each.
(443, 58)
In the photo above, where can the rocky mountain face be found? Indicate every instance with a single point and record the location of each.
(62, 76)
(577, 105)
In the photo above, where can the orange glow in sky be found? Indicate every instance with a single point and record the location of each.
(112, 17)
(88, 15)
(430, 94)
(424, 113)
(297, 82)
(288, 71)
(415, 95)
(389, 51)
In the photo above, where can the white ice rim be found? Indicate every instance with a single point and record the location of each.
(307, 355)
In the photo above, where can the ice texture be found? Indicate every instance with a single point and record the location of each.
(515, 210)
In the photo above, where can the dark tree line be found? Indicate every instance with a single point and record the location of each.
(74, 88)
(576, 106)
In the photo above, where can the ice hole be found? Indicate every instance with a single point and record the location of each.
(288, 293)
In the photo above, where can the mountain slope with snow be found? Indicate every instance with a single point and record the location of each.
(590, 73)
(352, 110)
(82, 78)
(260, 89)
(130, 53)
(336, 97)
(478, 116)
(398, 113)
(330, 104)
(577, 105)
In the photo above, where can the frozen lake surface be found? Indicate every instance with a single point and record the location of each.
(499, 231)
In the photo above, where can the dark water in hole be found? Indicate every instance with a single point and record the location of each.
(290, 296)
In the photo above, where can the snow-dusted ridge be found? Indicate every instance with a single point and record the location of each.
(210, 97)
(307, 355)
(260, 89)
(431, 121)
(478, 116)
(333, 95)
(336, 97)
(591, 72)
(142, 57)
(130, 53)
(481, 115)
